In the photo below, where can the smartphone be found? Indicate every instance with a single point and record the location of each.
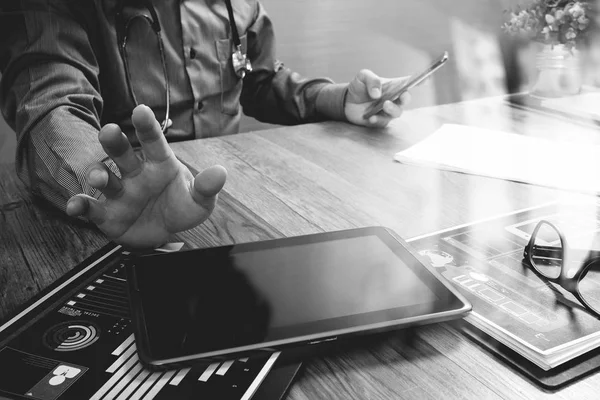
(392, 90)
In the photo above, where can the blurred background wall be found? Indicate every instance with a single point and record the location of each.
(337, 38)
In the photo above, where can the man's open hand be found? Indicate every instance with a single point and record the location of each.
(155, 197)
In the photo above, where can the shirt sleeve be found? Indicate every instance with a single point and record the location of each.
(275, 94)
(49, 95)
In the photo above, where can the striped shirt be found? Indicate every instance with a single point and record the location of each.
(63, 77)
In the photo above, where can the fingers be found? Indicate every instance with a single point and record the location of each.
(207, 185)
(366, 86)
(379, 121)
(150, 135)
(86, 206)
(391, 110)
(117, 146)
(103, 179)
(371, 82)
(404, 99)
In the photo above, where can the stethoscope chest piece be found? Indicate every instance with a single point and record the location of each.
(241, 62)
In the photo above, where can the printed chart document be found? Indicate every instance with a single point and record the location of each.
(511, 303)
(534, 160)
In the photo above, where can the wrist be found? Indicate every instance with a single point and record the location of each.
(331, 101)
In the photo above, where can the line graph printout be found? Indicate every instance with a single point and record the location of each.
(84, 348)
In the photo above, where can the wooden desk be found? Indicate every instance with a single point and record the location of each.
(320, 177)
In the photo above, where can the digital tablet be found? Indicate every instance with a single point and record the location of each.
(233, 301)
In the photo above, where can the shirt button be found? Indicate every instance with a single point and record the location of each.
(199, 106)
(192, 53)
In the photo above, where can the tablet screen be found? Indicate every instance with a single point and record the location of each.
(212, 299)
(337, 278)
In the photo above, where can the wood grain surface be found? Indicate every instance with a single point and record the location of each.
(322, 177)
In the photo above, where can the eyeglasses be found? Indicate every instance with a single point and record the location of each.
(122, 26)
(575, 270)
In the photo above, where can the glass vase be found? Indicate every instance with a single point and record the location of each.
(558, 72)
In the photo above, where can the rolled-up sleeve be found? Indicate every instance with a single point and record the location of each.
(274, 93)
(49, 94)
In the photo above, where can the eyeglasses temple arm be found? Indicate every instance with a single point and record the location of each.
(552, 251)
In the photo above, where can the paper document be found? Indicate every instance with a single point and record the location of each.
(511, 303)
(552, 163)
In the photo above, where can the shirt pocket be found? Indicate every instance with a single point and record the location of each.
(231, 84)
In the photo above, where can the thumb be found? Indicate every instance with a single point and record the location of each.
(207, 185)
(366, 86)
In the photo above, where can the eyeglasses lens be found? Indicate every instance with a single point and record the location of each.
(547, 251)
(589, 286)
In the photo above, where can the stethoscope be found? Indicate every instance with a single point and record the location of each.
(241, 62)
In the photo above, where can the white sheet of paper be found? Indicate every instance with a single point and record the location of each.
(520, 158)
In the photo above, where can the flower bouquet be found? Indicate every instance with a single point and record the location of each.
(558, 30)
(553, 22)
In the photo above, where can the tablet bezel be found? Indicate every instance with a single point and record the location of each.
(449, 305)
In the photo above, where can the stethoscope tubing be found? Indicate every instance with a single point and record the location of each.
(241, 62)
